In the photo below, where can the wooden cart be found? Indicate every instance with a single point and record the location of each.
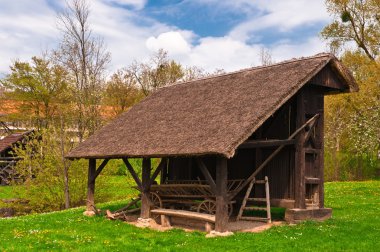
(193, 195)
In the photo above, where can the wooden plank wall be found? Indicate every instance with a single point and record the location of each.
(281, 170)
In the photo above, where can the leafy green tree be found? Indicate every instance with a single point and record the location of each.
(160, 71)
(41, 86)
(42, 168)
(355, 21)
(353, 121)
(122, 91)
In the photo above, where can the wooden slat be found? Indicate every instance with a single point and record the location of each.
(254, 218)
(257, 199)
(259, 181)
(274, 153)
(255, 208)
(198, 196)
(266, 143)
(311, 151)
(310, 180)
(269, 216)
(246, 197)
(185, 214)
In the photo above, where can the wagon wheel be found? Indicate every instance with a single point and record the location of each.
(207, 206)
(155, 200)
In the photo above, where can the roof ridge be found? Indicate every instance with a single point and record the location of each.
(319, 55)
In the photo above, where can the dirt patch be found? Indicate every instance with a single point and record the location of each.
(233, 226)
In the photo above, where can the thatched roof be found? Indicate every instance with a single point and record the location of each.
(206, 116)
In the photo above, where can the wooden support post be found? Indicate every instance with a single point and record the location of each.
(145, 202)
(165, 221)
(321, 188)
(208, 227)
(300, 189)
(91, 185)
(221, 216)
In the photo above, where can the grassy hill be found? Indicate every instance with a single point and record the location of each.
(355, 226)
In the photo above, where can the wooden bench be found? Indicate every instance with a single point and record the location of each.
(166, 213)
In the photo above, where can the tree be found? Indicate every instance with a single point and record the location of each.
(121, 91)
(353, 122)
(160, 71)
(265, 57)
(40, 85)
(355, 21)
(85, 57)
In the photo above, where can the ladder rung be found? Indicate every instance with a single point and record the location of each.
(254, 218)
(257, 199)
(310, 180)
(259, 181)
(255, 208)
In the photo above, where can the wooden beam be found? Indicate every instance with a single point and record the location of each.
(10, 158)
(100, 168)
(145, 202)
(133, 173)
(221, 215)
(159, 168)
(309, 134)
(207, 175)
(320, 145)
(91, 185)
(266, 143)
(300, 162)
(274, 153)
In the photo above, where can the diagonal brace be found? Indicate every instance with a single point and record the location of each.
(207, 175)
(133, 173)
(253, 175)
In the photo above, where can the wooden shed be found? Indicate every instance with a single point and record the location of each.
(7, 157)
(226, 132)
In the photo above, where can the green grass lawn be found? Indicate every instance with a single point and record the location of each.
(355, 226)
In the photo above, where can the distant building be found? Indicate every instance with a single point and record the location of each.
(7, 158)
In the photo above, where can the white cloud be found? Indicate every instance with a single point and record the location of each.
(28, 27)
(138, 4)
(282, 16)
(286, 50)
(277, 15)
(223, 53)
(171, 41)
(230, 54)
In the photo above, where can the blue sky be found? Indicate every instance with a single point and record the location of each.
(227, 34)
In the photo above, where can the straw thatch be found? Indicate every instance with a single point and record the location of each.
(207, 116)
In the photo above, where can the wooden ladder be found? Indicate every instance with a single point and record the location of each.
(247, 199)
